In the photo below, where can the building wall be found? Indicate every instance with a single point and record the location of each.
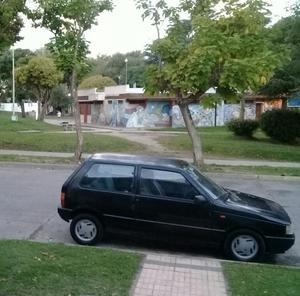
(206, 116)
(31, 108)
(145, 113)
(137, 114)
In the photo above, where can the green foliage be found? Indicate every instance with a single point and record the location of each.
(68, 21)
(22, 56)
(10, 22)
(244, 128)
(114, 67)
(286, 32)
(97, 81)
(227, 49)
(281, 125)
(40, 75)
(59, 98)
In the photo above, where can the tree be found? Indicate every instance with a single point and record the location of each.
(221, 44)
(10, 22)
(114, 67)
(157, 12)
(23, 93)
(59, 99)
(41, 75)
(286, 79)
(97, 81)
(68, 20)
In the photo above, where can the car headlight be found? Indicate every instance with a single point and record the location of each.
(289, 229)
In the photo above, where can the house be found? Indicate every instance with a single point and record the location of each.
(130, 107)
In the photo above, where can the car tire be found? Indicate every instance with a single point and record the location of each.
(244, 245)
(86, 229)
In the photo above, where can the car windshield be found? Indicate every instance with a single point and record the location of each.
(207, 184)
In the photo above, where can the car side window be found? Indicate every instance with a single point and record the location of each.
(109, 177)
(165, 183)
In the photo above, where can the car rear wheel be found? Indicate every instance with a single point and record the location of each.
(86, 229)
(244, 245)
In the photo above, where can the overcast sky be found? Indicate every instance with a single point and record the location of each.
(121, 30)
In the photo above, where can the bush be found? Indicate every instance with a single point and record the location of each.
(244, 128)
(281, 125)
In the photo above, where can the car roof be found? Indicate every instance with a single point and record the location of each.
(141, 159)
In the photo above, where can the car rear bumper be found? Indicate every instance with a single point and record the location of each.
(277, 245)
(65, 214)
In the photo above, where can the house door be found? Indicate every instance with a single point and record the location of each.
(259, 110)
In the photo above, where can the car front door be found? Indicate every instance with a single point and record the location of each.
(166, 201)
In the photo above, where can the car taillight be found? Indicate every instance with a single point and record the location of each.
(62, 199)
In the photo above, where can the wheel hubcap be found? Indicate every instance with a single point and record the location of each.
(86, 230)
(244, 247)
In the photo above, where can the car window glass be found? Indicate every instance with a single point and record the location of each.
(165, 183)
(109, 177)
(207, 184)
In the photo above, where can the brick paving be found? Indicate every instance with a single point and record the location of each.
(167, 275)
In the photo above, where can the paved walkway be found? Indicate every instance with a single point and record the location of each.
(228, 162)
(167, 275)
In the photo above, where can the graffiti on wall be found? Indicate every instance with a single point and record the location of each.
(154, 114)
(206, 116)
(148, 114)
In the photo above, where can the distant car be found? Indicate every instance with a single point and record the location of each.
(170, 196)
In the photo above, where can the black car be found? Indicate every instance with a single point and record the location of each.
(170, 196)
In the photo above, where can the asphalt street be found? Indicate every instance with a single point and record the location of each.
(29, 196)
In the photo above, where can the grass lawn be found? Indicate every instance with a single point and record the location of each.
(20, 136)
(258, 280)
(35, 269)
(219, 142)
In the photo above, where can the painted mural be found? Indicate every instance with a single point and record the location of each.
(160, 113)
(206, 116)
(148, 114)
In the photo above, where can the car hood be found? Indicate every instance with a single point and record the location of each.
(261, 206)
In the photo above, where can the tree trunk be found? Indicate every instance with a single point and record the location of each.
(22, 109)
(39, 110)
(195, 137)
(79, 136)
(242, 112)
(284, 103)
(43, 111)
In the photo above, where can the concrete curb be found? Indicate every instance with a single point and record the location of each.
(212, 175)
(255, 176)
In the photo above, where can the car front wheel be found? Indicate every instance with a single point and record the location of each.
(244, 245)
(86, 229)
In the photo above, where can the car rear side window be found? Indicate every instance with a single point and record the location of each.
(165, 183)
(109, 177)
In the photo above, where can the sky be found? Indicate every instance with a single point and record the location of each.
(121, 30)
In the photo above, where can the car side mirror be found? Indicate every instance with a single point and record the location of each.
(200, 198)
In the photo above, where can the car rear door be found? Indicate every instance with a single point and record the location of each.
(108, 188)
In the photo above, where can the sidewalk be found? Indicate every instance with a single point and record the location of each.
(167, 275)
(209, 161)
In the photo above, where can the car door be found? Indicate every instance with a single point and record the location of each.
(166, 201)
(108, 188)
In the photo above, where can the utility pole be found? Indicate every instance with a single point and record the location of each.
(14, 117)
(126, 61)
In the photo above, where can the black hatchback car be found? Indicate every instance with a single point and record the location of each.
(171, 196)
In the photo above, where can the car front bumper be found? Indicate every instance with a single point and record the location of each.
(277, 245)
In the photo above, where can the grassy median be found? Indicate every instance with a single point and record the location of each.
(31, 135)
(219, 142)
(260, 280)
(35, 269)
